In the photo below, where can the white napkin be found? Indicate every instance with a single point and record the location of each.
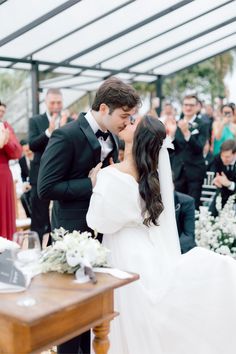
(117, 273)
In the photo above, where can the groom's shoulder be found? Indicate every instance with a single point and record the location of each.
(73, 128)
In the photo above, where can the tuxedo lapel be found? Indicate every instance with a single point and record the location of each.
(44, 123)
(92, 139)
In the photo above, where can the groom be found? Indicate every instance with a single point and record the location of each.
(73, 157)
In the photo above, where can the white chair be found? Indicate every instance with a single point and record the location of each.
(208, 189)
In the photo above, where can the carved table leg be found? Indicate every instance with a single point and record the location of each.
(101, 342)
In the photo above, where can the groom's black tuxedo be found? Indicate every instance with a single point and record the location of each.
(72, 152)
(38, 141)
(187, 160)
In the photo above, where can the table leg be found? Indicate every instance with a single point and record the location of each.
(101, 342)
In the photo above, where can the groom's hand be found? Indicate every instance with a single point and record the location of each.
(93, 173)
(111, 161)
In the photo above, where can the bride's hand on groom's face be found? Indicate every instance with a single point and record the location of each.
(93, 173)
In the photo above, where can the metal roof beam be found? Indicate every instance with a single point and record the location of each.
(52, 64)
(192, 51)
(165, 32)
(122, 33)
(199, 62)
(80, 28)
(180, 43)
(38, 21)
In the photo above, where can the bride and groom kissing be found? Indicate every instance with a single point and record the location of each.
(176, 306)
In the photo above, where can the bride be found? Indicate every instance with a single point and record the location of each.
(182, 304)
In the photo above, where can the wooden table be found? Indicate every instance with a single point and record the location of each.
(63, 310)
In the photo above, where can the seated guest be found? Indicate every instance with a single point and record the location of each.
(225, 169)
(185, 219)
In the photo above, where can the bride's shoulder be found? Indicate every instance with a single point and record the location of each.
(107, 170)
(115, 172)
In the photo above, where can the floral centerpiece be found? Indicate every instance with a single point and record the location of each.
(72, 251)
(218, 233)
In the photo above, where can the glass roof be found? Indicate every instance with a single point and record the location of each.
(85, 41)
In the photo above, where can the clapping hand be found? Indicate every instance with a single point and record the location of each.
(5, 135)
(26, 187)
(171, 126)
(63, 120)
(52, 124)
(221, 180)
(93, 173)
(183, 126)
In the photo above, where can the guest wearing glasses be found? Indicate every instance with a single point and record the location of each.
(190, 135)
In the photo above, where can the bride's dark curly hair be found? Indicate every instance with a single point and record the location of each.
(148, 139)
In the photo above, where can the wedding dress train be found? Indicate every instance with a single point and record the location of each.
(182, 304)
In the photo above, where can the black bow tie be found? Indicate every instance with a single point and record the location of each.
(102, 134)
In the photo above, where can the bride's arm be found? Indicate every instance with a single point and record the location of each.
(108, 211)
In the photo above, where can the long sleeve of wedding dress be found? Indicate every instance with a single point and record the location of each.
(114, 204)
(181, 304)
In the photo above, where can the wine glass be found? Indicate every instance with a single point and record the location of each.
(25, 257)
(29, 250)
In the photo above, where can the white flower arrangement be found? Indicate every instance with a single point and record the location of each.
(71, 251)
(218, 233)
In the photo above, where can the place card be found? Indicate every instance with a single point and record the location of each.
(9, 273)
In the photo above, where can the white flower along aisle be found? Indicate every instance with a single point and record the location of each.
(218, 233)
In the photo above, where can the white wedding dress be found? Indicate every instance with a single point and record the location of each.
(182, 304)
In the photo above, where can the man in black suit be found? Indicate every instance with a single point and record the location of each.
(73, 157)
(40, 130)
(225, 168)
(185, 219)
(190, 135)
(24, 163)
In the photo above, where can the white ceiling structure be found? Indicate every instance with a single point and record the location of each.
(137, 40)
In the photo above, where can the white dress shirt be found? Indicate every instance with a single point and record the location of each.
(230, 167)
(106, 145)
(187, 138)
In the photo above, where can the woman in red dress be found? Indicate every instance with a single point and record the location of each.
(10, 148)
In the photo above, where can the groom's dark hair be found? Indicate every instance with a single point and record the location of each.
(116, 94)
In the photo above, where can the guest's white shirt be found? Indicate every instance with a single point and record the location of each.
(106, 145)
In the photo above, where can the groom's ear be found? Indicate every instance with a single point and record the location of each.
(103, 108)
